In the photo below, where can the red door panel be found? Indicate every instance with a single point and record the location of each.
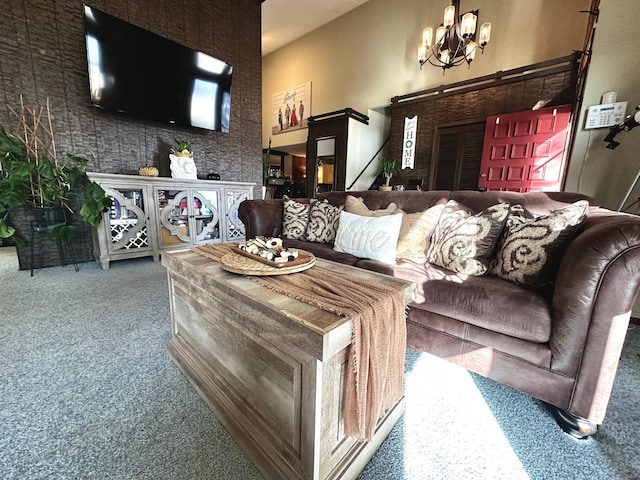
(524, 151)
(501, 131)
(522, 128)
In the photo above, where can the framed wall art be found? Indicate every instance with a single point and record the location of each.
(291, 108)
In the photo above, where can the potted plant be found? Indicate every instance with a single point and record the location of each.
(183, 150)
(388, 169)
(182, 164)
(48, 186)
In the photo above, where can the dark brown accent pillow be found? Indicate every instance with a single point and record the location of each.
(464, 242)
(323, 222)
(531, 248)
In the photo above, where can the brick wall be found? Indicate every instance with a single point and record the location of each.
(470, 107)
(42, 55)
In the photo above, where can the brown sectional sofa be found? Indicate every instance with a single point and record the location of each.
(562, 348)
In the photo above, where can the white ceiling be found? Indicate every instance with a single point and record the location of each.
(283, 21)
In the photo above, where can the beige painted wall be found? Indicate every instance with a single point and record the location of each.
(366, 57)
(615, 66)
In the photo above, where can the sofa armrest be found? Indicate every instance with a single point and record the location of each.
(596, 287)
(261, 217)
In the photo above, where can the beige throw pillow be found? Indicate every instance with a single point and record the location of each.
(415, 231)
(357, 206)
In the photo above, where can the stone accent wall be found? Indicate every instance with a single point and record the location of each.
(42, 56)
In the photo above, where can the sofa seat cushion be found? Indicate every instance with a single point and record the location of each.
(486, 302)
(321, 250)
(473, 347)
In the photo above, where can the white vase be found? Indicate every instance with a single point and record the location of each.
(183, 166)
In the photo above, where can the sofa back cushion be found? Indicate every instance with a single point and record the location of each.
(411, 201)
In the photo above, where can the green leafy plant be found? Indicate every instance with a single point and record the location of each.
(266, 158)
(183, 145)
(388, 169)
(41, 181)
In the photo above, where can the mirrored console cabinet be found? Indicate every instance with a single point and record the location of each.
(151, 214)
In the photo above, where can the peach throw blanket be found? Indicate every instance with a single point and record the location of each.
(376, 361)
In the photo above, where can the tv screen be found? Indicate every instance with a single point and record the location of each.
(135, 71)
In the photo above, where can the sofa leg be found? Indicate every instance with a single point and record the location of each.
(575, 426)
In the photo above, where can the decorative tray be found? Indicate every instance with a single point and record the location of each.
(248, 264)
(303, 258)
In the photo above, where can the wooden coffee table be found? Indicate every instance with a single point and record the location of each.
(270, 367)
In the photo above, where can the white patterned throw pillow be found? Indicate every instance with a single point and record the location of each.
(323, 222)
(295, 218)
(464, 242)
(531, 248)
(368, 237)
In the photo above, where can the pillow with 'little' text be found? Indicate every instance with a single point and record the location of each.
(375, 238)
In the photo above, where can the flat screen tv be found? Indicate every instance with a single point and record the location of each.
(135, 71)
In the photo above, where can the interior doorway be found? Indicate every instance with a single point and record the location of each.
(457, 152)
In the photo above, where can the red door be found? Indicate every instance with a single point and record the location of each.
(524, 151)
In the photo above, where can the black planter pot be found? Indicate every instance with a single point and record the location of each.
(46, 252)
(46, 216)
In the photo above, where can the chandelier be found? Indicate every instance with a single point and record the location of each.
(455, 39)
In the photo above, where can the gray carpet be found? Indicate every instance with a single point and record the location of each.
(87, 391)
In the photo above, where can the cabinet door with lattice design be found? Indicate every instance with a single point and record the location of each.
(206, 216)
(233, 198)
(128, 220)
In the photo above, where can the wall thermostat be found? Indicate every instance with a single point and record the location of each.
(606, 115)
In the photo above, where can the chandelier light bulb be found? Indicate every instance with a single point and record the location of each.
(468, 27)
(470, 51)
(440, 32)
(444, 57)
(422, 53)
(427, 37)
(449, 16)
(485, 34)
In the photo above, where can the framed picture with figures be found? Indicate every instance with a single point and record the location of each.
(290, 109)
